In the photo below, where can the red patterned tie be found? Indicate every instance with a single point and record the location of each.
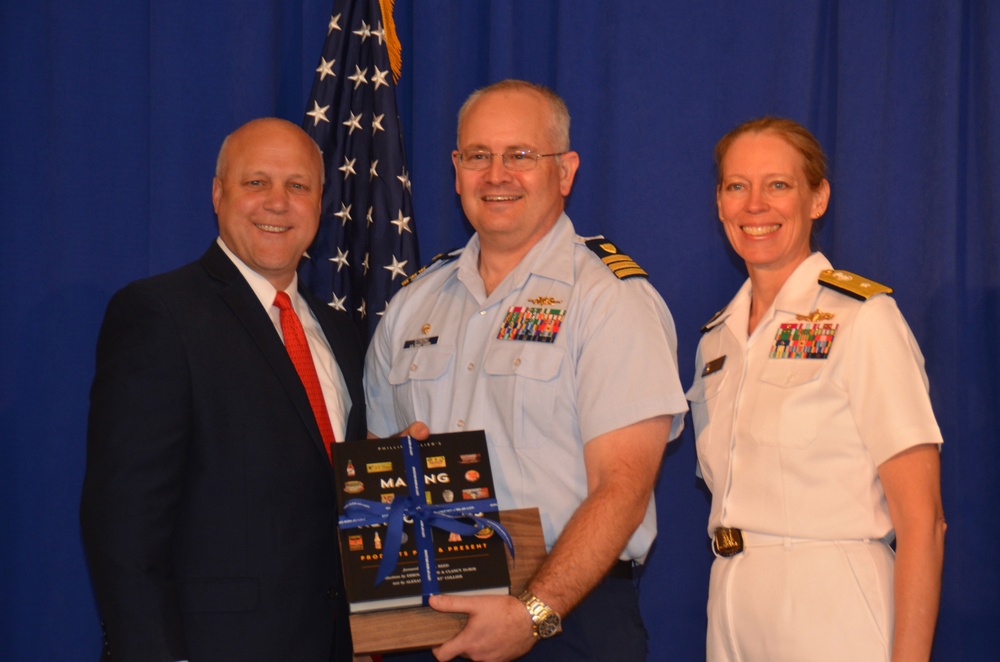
(298, 351)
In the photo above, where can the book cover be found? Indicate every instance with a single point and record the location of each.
(417, 502)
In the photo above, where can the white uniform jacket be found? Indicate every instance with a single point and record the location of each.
(790, 436)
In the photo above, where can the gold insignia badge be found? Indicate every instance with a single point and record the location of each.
(815, 316)
(544, 301)
(852, 285)
(425, 329)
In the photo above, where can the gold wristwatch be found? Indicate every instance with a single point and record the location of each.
(545, 621)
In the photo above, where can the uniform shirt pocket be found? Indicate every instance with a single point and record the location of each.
(705, 388)
(525, 387)
(414, 376)
(788, 403)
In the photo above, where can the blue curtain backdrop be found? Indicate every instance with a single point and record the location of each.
(111, 114)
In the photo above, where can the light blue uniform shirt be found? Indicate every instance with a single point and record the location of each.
(436, 357)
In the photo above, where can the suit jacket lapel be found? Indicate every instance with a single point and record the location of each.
(238, 295)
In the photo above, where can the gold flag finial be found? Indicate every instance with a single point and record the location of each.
(392, 40)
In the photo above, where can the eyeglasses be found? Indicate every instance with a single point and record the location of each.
(519, 160)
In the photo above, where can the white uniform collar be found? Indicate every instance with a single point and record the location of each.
(798, 296)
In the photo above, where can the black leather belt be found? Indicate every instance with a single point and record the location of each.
(622, 570)
(728, 541)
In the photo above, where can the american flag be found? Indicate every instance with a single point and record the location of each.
(367, 242)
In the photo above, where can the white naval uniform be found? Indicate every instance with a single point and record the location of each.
(790, 448)
(437, 357)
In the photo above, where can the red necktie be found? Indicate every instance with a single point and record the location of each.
(298, 351)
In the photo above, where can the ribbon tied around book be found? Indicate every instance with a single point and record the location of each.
(464, 519)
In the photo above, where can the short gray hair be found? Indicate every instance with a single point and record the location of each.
(560, 120)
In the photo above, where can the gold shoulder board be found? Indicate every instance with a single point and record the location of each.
(620, 264)
(440, 257)
(852, 285)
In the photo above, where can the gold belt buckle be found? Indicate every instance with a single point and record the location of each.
(728, 541)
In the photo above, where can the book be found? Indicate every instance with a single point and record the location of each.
(453, 486)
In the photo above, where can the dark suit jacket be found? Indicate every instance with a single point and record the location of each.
(208, 509)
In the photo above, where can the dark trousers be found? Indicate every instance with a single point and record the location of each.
(605, 627)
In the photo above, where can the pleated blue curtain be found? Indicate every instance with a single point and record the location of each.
(111, 116)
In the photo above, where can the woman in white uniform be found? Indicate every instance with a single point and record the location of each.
(814, 432)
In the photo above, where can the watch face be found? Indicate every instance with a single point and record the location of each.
(548, 626)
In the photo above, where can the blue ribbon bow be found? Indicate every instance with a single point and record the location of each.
(363, 512)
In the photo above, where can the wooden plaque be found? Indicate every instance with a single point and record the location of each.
(416, 628)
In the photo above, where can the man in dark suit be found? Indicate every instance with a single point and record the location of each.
(208, 509)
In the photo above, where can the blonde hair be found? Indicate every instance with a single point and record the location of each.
(796, 135)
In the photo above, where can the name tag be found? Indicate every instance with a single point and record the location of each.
(713, 366)
(420, 342)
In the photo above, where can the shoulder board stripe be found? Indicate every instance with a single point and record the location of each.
(440, 257)
(621, 265)
(852, 285)
(710, 324)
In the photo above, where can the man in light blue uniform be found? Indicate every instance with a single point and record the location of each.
(563, 353)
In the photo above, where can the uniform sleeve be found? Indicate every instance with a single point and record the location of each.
(696, 396)
(887, 382)
(137, 437)
(627, 364)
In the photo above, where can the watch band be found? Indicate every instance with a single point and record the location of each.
(545, 621)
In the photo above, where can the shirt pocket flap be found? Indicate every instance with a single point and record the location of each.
(524, 360)
(706, 388)
(421, 363)
(786, 373)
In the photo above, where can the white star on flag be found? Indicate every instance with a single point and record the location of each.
(353, 122)
(344, 214)
(404, 179)
(402, 222)
(325, 68)
(396, 268)
(339, 263)
(364, 32)
(340, 260)
(378, 78)
(348, 167)
(318, 113)
(359, 76)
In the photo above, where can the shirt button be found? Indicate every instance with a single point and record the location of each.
(482, 312)
(413, 366)
(517, 361)
(472, 366)
(461, 423)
